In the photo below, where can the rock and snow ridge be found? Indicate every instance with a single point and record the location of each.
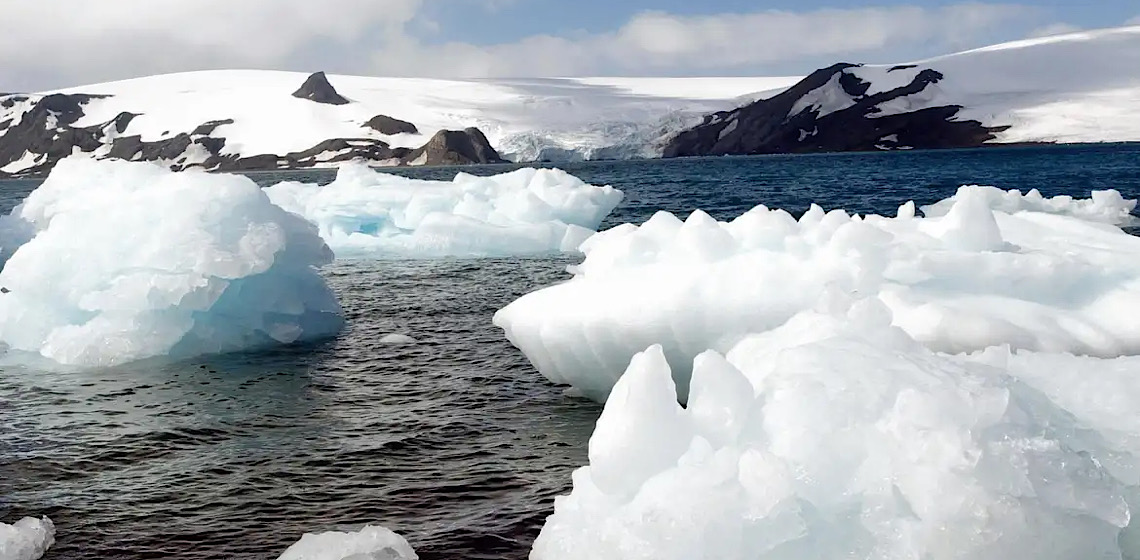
(242, 119)
(38, 131)
(1079, 87)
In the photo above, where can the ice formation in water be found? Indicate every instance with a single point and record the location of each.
(397, 339)
(527, 211)
(116, 261)
(987, 268)
(837, 435)
(370, 543)
(1105, 206)
(26, 539)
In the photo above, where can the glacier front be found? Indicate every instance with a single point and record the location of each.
(364, 213)
(111, 261)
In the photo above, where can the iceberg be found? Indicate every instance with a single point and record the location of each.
(370, 543)
(26, 539)
(838, 435)
(984, 269)
(112, 261)
(364, 213)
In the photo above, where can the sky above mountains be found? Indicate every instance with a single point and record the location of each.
(60, 43)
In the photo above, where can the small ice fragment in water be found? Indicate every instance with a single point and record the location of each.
(395, 338)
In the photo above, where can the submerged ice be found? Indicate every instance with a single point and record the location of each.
(109, 262)
(527, 211)
(985, 268)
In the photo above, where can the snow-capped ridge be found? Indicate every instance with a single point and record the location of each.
(263, 126)
(1078, 87)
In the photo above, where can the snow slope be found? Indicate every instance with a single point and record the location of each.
(520, 117)
(1077, 87)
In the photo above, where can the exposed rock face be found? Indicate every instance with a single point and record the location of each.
(317, 88)
(831, 111)
(36, 135)
(455, 147)
(388, 126)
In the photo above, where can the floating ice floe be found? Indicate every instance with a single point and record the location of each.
(1104, 206)
(1050, 276)
(115, 261)
(837, 435)
(370, 543)
(397, 339)
(26, 539)
(527, 211)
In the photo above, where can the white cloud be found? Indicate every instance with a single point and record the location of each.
(53, 43)
(80, 40)
(1053, 29)
(656, 42)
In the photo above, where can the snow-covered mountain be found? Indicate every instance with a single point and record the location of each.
(1079, 87)
(241, 119)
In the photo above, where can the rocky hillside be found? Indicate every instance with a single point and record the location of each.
(1077, 87)
(36, 131)
(834, 110)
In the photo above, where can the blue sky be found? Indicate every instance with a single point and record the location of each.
(60, 43)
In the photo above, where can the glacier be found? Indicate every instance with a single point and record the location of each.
(26, 539)
(526, 211)
(984, 269)
(111, 261)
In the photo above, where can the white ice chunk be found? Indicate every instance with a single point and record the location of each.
(1051, 276)
(370, 543)
(396, 339)
(527, 211)
(839, 436)
(1105, 206)
(26, 539)
(117, 261)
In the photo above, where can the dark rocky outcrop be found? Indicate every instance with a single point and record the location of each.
(207, 128)
(45, 130)
(317, 88)
(775, 125)
(10, 100)
(388, 126)
(455, 147)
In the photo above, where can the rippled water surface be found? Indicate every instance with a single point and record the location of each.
(453, 441)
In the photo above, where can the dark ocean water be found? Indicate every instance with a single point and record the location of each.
(454, 441)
